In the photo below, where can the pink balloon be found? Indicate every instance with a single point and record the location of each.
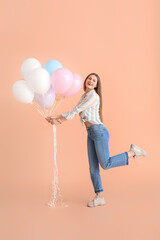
(62, 80)
(76, 87)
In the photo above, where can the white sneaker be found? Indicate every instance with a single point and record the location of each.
(137, 150)
(97, 201)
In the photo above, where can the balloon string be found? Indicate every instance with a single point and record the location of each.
(51, 110)
(37, 108)
(44, 109)
(47, 112)
(56, 193)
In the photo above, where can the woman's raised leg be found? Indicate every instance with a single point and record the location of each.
(101, 142)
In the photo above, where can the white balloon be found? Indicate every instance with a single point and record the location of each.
(28, 66)
(22, 92)
(39, 80)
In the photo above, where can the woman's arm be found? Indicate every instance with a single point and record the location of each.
(81, 106)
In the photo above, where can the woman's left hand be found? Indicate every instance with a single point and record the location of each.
(54, 120)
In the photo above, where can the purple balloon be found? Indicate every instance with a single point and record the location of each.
(45, 100)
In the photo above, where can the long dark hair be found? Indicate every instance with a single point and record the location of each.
(98, 89)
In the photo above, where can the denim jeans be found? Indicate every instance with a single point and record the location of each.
(98, 153)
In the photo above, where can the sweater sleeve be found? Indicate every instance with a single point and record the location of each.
(83, 104)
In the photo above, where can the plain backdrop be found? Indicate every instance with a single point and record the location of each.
(119, 40)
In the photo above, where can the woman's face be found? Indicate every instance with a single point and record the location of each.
(91, 82)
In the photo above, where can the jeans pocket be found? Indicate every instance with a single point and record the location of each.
(106, 131)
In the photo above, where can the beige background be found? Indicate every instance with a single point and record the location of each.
(119, 40)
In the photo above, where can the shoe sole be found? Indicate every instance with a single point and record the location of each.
(97, 205)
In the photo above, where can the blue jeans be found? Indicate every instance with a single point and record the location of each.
(98, 153)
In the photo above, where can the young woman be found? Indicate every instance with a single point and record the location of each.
(90, 110)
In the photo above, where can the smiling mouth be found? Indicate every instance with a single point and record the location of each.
(89, 84)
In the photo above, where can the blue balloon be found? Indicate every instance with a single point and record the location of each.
(52, 65)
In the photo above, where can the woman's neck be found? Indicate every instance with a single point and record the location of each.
(88, 90)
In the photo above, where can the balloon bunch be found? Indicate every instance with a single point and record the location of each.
(45, 85)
